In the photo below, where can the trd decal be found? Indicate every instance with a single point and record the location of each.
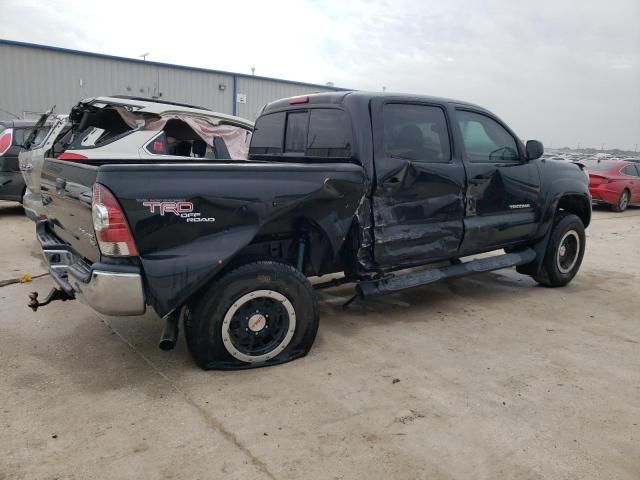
(180, 209)
(176, 208)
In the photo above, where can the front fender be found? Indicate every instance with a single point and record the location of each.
(562, 180)
(565, 187)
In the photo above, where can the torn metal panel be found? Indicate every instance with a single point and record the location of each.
(179, 257)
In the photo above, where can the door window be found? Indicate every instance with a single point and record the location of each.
(21, 134)
(630, 170)
(485, 140)
(416, 132)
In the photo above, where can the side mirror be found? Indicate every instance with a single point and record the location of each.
(534, 149)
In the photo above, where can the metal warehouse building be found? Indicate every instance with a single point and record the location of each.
(35, 77)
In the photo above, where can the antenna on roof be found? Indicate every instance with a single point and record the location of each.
(253, 70)
(144, 56)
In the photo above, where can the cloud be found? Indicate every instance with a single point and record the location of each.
(564, 71)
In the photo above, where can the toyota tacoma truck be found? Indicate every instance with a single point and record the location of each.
(385, 191)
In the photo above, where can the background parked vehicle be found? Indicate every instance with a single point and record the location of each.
(13, 133)
(614, 183)
(117, 128)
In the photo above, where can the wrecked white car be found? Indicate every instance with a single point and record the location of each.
(122, 127)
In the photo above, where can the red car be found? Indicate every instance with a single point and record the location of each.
(614, 182)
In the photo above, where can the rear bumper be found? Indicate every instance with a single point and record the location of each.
(110, 293)
(600, 194)
(107, 289)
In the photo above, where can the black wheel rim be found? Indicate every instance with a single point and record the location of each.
(568, 251)
(258, 326)
(253, 314)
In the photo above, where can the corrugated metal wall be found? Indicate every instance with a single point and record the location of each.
(259, 92)
(33, 78)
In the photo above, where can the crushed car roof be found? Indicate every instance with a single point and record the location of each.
(159, 107)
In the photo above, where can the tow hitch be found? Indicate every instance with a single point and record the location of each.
(54, 294)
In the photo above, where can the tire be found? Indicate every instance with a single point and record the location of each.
(227, 327)
(560, 264)
(623, 201)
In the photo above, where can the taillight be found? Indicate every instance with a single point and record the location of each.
(297, 100)
(6, 138)
(112, 231)
(71, 156)
(158, 147)
(598, 179)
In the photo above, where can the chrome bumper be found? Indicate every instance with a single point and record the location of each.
(110, 293)
(100, 286)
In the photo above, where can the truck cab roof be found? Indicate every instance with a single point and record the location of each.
(328, 98)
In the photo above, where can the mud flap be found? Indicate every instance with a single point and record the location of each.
(533, 268)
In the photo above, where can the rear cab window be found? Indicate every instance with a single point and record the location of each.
(303, 133)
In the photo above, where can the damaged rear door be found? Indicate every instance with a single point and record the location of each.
(32, 156)
(418, 205)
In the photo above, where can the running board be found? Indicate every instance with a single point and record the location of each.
(430, 275)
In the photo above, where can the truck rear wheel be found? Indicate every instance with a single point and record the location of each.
(564, 252)
(261, 313)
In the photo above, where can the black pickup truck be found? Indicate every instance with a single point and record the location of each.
(391, 191)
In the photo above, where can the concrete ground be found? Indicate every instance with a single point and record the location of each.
(486, 377)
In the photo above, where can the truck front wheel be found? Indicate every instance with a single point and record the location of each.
(261, 313)
(564, 252)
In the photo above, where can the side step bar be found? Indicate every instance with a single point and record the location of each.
(430, 275)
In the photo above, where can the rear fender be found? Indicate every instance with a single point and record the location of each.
(232, 205)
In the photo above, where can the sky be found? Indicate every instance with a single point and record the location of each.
(564, 72)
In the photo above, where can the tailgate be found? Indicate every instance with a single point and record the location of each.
(66, 189)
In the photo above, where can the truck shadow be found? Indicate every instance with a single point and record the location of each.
(423, 304)
(11, 209)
